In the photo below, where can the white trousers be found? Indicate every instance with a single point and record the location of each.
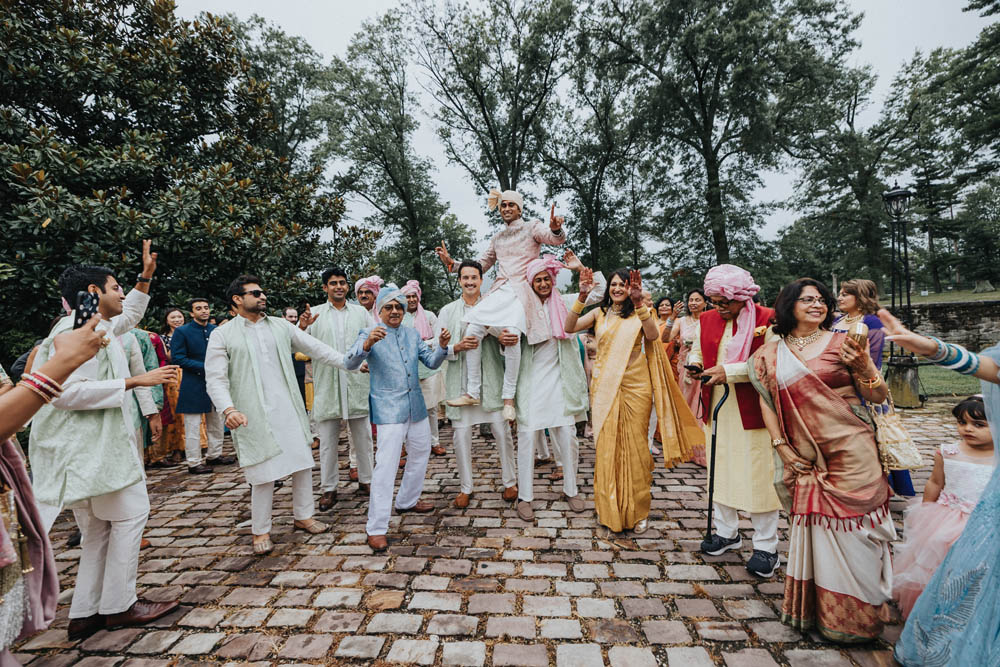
(262, 501)
(542, 448)
(192, 436)
(390, 444)
(360, 429)
(567, 449)
(474, 364)
(462, 439)
(109, 559)
(765, 526)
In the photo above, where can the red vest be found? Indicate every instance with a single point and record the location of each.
(712, 327)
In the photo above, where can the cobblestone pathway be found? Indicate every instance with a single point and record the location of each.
(472, 587)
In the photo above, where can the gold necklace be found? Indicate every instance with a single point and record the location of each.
(852, 320)
(801, 343)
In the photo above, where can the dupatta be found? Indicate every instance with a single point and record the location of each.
(846, 484)
(679, 429)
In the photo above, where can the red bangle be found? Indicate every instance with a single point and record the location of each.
(40, 389)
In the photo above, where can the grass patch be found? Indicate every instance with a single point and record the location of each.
(946, 296)
(939, 381)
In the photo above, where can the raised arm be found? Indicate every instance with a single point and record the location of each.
(314, 348)
(133, 310)
(574, 321)
(953, 357)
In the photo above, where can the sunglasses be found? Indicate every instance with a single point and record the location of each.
(392, 306)
(719, 304)
(257, 293)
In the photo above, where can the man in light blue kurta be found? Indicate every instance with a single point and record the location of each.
(396, 404)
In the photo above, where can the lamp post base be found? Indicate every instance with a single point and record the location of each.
(903, 381)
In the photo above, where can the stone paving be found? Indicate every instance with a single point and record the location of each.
(457, 587)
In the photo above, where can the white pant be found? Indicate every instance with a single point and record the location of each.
(765, 526)
(567, 449)
(262, 501)
(390, 444)
(474, 364)
(109, 562)
(542, 448)
(192, 436)
(462, 438)
(329, 440)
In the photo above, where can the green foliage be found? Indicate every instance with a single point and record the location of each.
(979, 242)
(121, 122)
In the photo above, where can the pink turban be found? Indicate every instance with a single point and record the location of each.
(736, 284)
(555, 304)
(374, 283)
(420, 322)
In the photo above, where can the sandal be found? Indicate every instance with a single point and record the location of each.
(263, 547)
(315, 527)
(556, 476)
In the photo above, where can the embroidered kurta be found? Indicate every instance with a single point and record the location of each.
(744, 477)
(281, 448)
(395, 396)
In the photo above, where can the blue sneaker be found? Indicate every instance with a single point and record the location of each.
(763, 564)
(718, 545)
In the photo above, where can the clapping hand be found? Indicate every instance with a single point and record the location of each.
(635, 287)
(586, 283)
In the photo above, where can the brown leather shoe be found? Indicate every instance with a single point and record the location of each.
(140, 613)
(200, 469)
(364, 488)
(525, 512)
(510, 493)
(462, 501)
(145, 544)
(327, 500)
(576, 503)
(81, 628)
(353, 474)
(422, 507)
(378, 543)
(438, 450)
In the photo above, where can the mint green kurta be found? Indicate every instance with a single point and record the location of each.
(456, 372)
(572, 377)
(329, 382)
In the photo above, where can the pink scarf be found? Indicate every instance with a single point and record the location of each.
(555, 304)
(736, 284)
(420, 322)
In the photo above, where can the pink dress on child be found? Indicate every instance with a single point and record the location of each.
(931, 528)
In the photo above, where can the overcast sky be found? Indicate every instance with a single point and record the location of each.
(892, 30)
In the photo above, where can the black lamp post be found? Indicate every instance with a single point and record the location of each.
(903, 379)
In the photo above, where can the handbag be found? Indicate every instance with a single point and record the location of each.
(896, 449)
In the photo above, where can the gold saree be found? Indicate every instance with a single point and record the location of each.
(622, 397)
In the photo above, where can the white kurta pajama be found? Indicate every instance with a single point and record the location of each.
(465, 417)
(551, 395)
(287, 426)
(69, 471)
(341, 396)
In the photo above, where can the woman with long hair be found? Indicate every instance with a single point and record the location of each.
(172, 440)
(631, 377)
(811, 381)
(682, 334)
(858, 302)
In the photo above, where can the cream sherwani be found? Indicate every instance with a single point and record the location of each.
(744, 475)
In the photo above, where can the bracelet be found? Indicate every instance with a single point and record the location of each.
(670, 322)
(577, 307)
(941, 352)
(643, 313)
(38, 376)
(872, 383)
(44, 395)
(231, 408)
(778, 442)
(959, 359)
(142, 279)
(42, 385)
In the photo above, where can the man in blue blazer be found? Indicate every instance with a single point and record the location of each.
(396, 403)
(187, 348)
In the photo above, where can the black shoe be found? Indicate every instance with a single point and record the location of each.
(221, 461)
(200, 469)
(278, 483)
(74, 539)
(763, 564)
(718, 545)
(81, 628)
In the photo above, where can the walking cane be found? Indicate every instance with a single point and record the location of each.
(711, 475)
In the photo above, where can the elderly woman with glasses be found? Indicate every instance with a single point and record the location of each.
(811, 381)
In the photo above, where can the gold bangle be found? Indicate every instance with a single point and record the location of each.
(578, 307)
(872, 383)
(644, 314)
(41, 394)
(778, 442)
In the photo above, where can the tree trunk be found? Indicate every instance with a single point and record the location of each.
(935, 269)
(716, 215)
(983, 286)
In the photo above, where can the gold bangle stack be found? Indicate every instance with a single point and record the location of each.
(871, 383)
(577, 307)
(643, 313)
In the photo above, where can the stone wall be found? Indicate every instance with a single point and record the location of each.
(974, 324)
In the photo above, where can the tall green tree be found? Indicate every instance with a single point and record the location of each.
(492, 73)
(979, 241)
(118, 122)
(723, 83)
(369, 110)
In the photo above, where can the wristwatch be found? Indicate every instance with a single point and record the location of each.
(143, 279)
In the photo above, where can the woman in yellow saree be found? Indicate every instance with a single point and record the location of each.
(631, 376)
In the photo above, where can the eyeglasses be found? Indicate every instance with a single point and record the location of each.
(392, 306)
(257, 293)
(719, 304)
(810, 300)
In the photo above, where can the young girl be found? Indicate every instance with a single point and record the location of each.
(961, 472)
